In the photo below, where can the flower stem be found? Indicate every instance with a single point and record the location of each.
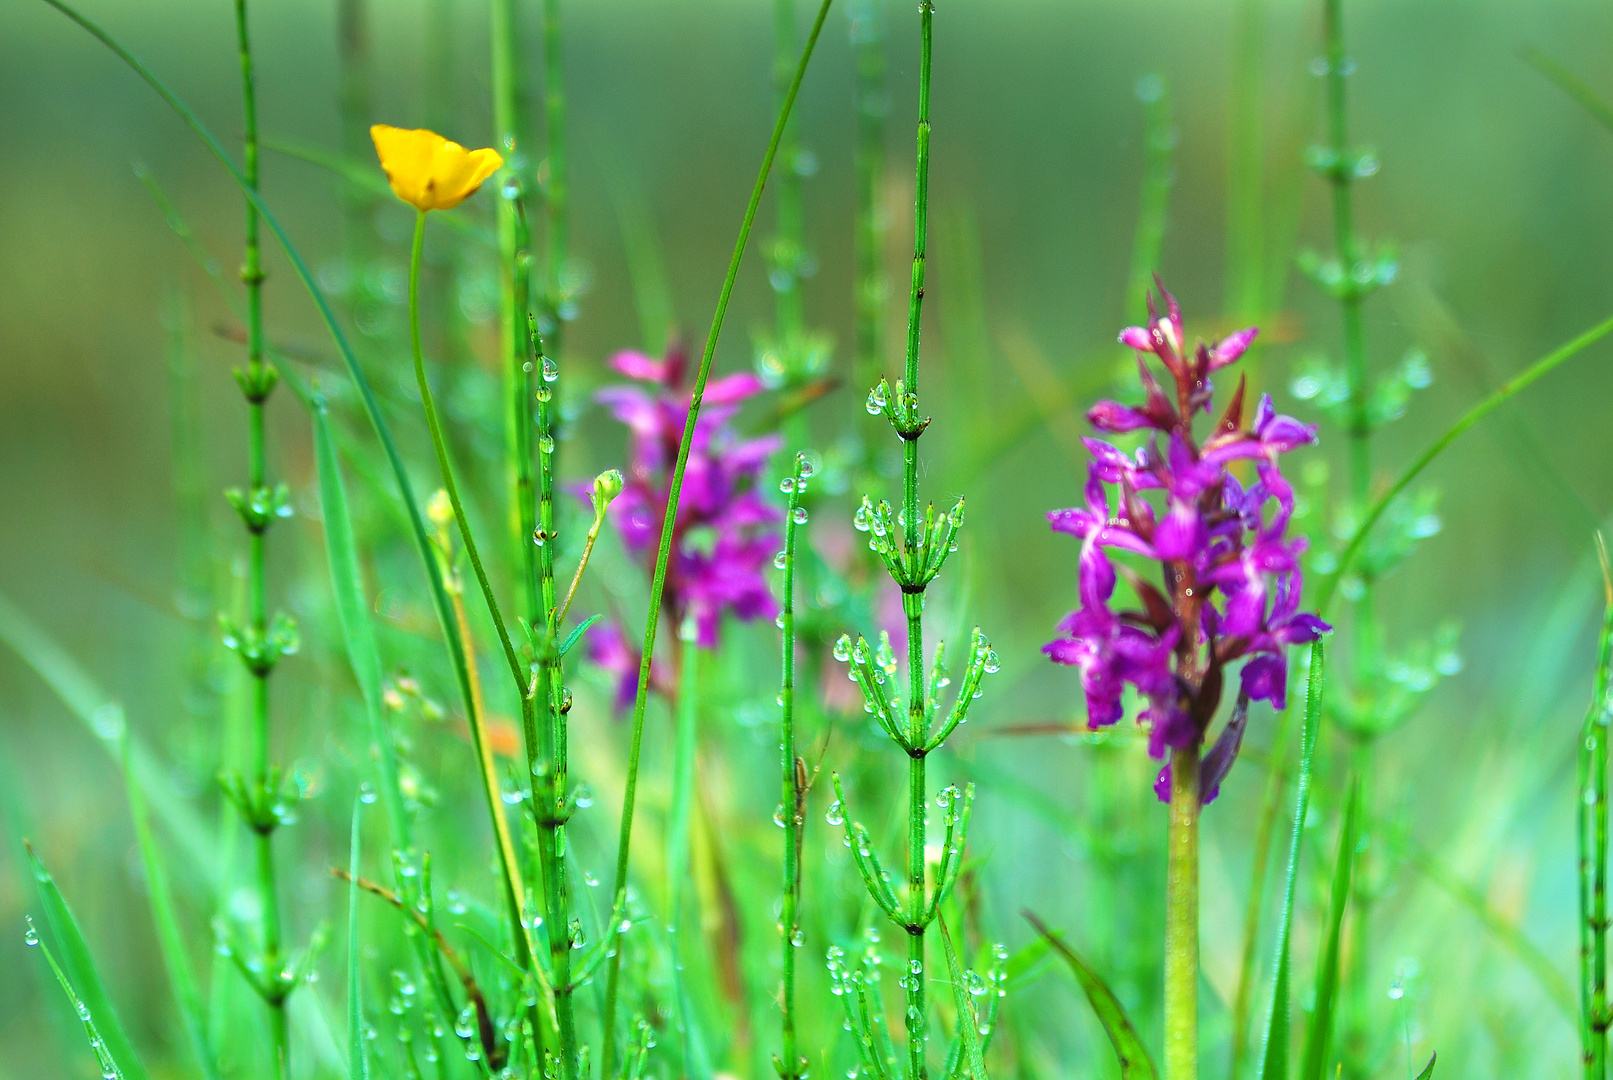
(514, 893)
(664, 551)
(258, 383)
(1182, 919)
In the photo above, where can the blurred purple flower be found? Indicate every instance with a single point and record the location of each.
(724, 536)
(1230, 574)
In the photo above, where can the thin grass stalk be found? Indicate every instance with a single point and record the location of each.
(664, 551)
(868, 44)
(1265, 831)
(788, 235)
(1499, 397)
(509, 125)
(557, 191)
(1593, 845)
(257, 383)
(790, 1064)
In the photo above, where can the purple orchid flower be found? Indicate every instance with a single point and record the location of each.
(725, 532)
(1230, 575)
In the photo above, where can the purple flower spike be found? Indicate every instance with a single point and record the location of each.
(725, 532)
(1229, 580)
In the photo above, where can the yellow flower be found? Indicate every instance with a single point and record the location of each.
(428, 171)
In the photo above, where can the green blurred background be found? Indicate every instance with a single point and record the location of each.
(1494, 184)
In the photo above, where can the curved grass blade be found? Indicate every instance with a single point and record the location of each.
(1275, 1064)
(1319, 1034)
(1573, 86)
(1428, 1070)
(669, 519)
(358, 1064)
(1135, 1064)
(81, 971)
(353, 613)
(1504, 393)
(187, 996)
(968, 1021)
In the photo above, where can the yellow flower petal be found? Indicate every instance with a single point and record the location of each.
(428, 171)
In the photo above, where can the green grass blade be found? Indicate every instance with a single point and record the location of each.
(1275, 1064)
(1135, 1064)
(108, 1065)
(105, 720)
(1319, 1034)
(358, 1064)
(187, 997)
(353, 612)
(1428, 1070)
(82, 973)
(1504, 393)
(1574, 87)
(968, 1021)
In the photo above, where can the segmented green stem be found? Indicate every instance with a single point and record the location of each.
(792, 797)
(664, 551)
(1348, 251)
(913, 602)
(515, 286)
(1593, 845)
(258, 383)
(548, 768)
(1182, 919)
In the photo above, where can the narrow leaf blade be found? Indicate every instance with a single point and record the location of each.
(968, 1021)
(1319, 1033)
(81, 971)
(1275, 1063)
(187, 997)
(358, 630)
(1135, 1064)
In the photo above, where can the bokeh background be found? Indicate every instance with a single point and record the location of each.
(1494, 185)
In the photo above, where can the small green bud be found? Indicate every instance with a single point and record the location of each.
(607, 485)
